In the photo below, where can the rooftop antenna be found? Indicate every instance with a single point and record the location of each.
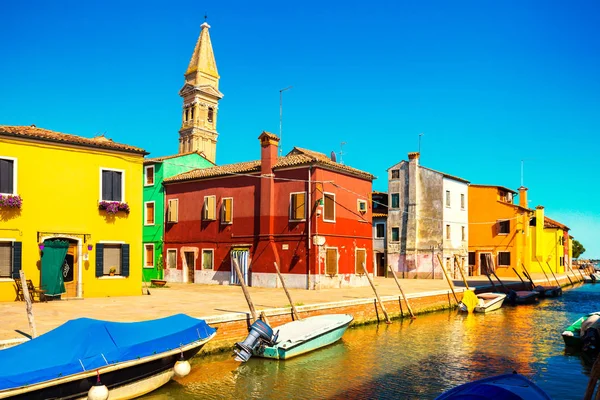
(342, 152)
(281, 118)
(420, 134)
(205, 16)
(522, 162)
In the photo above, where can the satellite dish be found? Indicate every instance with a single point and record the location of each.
(333, 156)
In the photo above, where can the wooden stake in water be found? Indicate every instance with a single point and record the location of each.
(412, 315)
(294, 312)
(238, 271)
(448, 279)
(28, 304)
(552, 272)
(594, 375)
(385, 313)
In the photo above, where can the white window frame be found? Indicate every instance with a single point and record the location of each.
(355, 258)
(10, 240)
(146, 168)
(290, 211)
(146, 213)
(15, 166)
(448, 232)
(337, 261)
(359, 202)
(463, 201)
(448, 199)
(153, 255)
(122, 171)
(463, 233)
(222, 210)
(213, 259)
(334, 202)
(168, 266)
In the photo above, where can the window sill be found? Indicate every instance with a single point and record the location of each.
(297, 220)
(149, 224)
(6, 280)
(331, 221)
(226, 223)
(149, 267)
(503, 234)
(149, 184)
(112, 277)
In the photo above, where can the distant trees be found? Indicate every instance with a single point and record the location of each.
(578, 249)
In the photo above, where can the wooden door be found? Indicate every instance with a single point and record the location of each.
(190, 261)
(381, 265)
(70, 271)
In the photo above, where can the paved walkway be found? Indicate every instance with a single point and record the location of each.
(199, 301)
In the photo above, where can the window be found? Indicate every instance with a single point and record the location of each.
(395, 234)
(380, 231)
(112, 259)
(112, 185)
(562, 261)
(361, 261)
(173, 210)
(472, 258)
(211, 114)
(504, 227)
(149, 255)
(362, 206)
(209, 208)
(149, 175)
(462, 201)
(447, 231)
(297, 206)
(187, 114)
(6, 260)
(8, 176)
(172, 258)
(447, 198)
(504, 258)
(208, 259)
(329, 212)
(192, 113)
(331, 261)
(463, 233)
(395, 174)
(395, 200)
(149, 213)
(227, 210)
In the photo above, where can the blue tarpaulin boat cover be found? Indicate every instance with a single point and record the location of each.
(87, 344)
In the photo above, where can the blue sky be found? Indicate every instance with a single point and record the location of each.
(489, 84)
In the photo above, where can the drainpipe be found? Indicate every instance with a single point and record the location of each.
(308, 220)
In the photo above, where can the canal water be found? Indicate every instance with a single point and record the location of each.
(411, 360)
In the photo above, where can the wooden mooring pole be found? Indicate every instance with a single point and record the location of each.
(294, 312)
(385, 313)
(447, 278)
(238, 271)
(594, 375)
(412, 315)
(462, 275)
(552, 272)
(28, 304)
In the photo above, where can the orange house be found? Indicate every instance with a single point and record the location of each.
(500, 227)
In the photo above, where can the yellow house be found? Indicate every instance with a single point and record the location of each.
(550, 244)
(70, 213)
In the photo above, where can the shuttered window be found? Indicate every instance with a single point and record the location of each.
(227, 211)
(7, 184)
(112, 185)
(298, 206)
(149, 181)
(208, 259)
(150, 213)
(209, 208)
(149, 256)
(172, 258)
(5, 259)
(173, 210)
(112, 259)
(504, 227)
(331, 262)
(361, 261)
(329, 211)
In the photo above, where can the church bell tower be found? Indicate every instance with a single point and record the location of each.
(201, 97)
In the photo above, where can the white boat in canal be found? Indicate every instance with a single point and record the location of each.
(487, 302)
(292, 339)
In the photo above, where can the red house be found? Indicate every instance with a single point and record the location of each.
(304, 211)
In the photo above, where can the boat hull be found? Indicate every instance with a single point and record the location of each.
(487, 302)
(126, 380)
(522, 297)
(502, 387)
(284, 351)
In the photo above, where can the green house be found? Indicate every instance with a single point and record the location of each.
(155, 171)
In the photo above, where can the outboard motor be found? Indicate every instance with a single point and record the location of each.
(591, 342)
(260, 334)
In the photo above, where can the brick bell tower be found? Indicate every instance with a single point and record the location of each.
(201, 97)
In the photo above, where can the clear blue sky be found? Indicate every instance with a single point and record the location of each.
(489, 83)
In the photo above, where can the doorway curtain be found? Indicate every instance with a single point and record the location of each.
(241, 256)
(53, 258)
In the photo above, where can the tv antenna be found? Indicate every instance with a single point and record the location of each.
(342, 152)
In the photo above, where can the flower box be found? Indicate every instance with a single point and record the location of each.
(10, 200)
(113, 207)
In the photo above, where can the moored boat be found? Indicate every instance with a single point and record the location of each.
(129, 358)
(292, 339)
(487, 302)
(572, 335)
(522, 297)
(502, 387)
(548, 291)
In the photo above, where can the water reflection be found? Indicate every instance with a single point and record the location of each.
(411, 359)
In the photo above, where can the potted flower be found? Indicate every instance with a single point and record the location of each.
(112, 271)
(113, 207)
(10, 201)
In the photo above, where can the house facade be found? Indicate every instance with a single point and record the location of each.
(498, 226)
(155, 171)
(550, 244)
(73, 229)
(304, 211)
(380, 213)
(427, 218)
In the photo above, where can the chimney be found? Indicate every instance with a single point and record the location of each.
(268, 152)
(268, 158)
(413, 157)
(523, 196)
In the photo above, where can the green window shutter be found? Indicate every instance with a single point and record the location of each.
(99, 260)
(124, 260)
(16, 259)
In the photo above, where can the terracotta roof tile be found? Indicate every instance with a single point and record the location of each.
(33, 132)
(550, 223)
(294, 158)
(379, 215)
